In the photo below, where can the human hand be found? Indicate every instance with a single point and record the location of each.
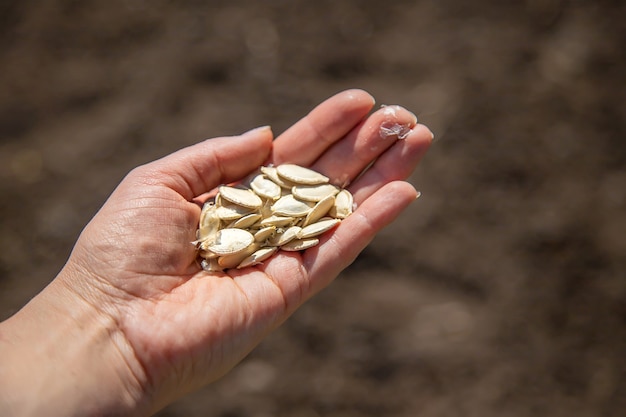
(161, 326)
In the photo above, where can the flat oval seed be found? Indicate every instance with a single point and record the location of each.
(290, 206)
(300, 244)
(258, 257)
(319, 210)
(234, 259)
(246, 221)
(209, 222)
(265, 188)
(300, 175)
(277, 221)
(229, 241)
(264, 233)
(317, 228)
(314, 192)
(343, 205)
(230, 211)
(285, 237)
(272, 174)
(245, 198)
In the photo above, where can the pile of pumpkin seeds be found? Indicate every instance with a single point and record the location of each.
(284, 207)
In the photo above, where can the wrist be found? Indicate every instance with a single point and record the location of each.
(61, 356)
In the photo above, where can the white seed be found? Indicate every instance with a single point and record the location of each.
(300, 175)
(245, 198)
(258, 257)
(246, 221)
(300, 244)
(209, 222)
(319, 210)
(264, 233)
(290, 206)
(317, 228)
(283, 238)
(314, 192)
(272, 174)
(229, 241)
(205, 253)
(234, 259)
(277, 221)
(265, 188)
(343, 205)
(229, 211)
(284, 209)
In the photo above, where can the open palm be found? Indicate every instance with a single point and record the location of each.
(185, 327)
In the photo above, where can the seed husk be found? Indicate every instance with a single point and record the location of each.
(319, 210)
(290, 206)
(258, 257)
(272, 174)
(234, 259)
(317, 228)
(314, 193)
(229, 241)
(284, 208)
(343, 205)
(246, 221)
(277, 221)
(265, 187)
(264, 233)
(229, 211)
(282, 238)
(300, 244)
(209, 222)
(300, 175)
(241, 197)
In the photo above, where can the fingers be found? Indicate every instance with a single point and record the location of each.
(396, 163)
(199, 168)
(306, 140)
(347, 158)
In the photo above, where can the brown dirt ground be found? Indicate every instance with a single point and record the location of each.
(502, 291)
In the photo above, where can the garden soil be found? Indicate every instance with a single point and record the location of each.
(500, 292)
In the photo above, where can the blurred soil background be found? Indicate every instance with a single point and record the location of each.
(501, 292)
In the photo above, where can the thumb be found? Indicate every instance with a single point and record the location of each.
(199, 168)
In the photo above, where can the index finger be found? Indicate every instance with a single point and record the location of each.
(330, 121)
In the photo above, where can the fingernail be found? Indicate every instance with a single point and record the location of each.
(258, 130)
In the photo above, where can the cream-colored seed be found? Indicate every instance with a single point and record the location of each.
(343, 205)
(229, 211)
(300, 175)
(258, 257)
(241, 197)
(266, 188)
(229, 241)
(314, 193)
(319, 210)
(290, 206)
(246, 221)
(300, 244)
(285, 208)
(234, 259)
(282, 238)
(265, 233)
(318, 228)
(272, 174)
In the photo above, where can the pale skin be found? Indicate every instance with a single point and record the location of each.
(132, 323)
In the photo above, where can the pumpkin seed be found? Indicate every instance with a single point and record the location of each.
(300, 175)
